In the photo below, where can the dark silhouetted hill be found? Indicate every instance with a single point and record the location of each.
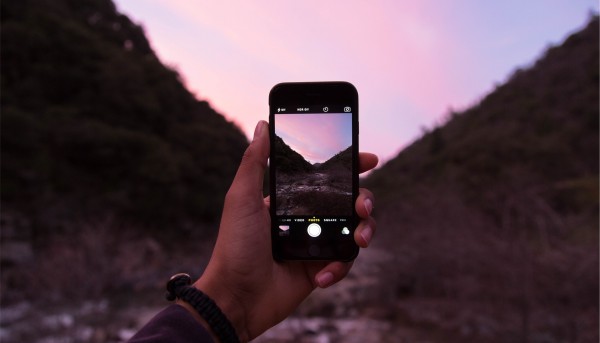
(341, 160)
(306, 189)
(494, 215)
(94, 124)
(538, 131)
(289, 161)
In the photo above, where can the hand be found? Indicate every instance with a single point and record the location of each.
(253, 290)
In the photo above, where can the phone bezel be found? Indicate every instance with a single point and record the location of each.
(331, 92)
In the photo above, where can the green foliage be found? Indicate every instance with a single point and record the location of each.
(93, 123)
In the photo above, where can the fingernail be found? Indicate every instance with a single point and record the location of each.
(325, 279)
(368, 206)
(366, 234)
(258, 130)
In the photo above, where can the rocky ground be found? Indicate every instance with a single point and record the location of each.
(337, 314)
(311, 193)
(367, 306)
(91, 321)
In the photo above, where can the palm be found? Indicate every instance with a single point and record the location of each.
(264, 283)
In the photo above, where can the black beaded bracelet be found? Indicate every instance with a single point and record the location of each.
(179, 286)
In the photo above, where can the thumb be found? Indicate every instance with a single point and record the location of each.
(248, 180)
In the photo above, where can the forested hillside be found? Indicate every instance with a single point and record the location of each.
(93, 124)
(108, 162)
(493, 216)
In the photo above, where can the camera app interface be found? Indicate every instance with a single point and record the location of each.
(313, 171)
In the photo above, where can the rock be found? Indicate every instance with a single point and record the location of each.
(58, 321)
(125, 334)
(11, 314)
(15, 252)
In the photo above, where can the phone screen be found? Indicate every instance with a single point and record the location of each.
(313, 178)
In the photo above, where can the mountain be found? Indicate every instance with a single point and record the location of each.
(306, 189)
(342, 160)
(539, 130)
(291, 162)
(94, 125)
(288, 160)
(494, 215)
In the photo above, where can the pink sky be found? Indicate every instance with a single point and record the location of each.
(410, 61)
(315, 136)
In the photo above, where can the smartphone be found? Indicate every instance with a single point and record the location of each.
(313, 170)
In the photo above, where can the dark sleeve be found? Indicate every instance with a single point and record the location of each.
(173, 324)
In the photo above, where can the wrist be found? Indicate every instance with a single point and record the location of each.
(204, 309)
(227, 302)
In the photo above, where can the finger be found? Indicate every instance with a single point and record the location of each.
(366, 161)
(267, 201)
(249, 177)
(364, 232)
(365, 203)
(332, 273)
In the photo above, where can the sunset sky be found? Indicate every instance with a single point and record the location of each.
(315, 136)
(411, 61)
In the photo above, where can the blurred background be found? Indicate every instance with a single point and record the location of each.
(122, 125)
